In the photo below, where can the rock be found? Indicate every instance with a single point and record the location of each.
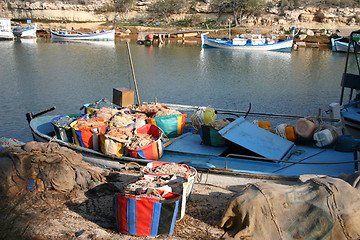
(302, 37)
(310, 32)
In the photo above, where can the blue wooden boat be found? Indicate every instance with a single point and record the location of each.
(253, 151)
(340, 45)
(71, 35)
(350, 82)
(255, 43)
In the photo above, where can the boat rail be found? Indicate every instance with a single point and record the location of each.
(248, 157)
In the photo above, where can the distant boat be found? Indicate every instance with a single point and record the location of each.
(256, 42)
(341, 45)
(68, 35)
(29, 32)
(5, 29)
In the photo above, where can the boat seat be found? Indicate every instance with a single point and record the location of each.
(351, 81)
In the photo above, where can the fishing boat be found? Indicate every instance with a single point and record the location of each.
(29, 32)
(252, 150)
(351, 81)
(341, 45)
(5, 29)
(254, 43)
(68, 35)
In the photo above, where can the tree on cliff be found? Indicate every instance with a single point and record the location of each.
(239, 8)
(167, 7)
(120, 7)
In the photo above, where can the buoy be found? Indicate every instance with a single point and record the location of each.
(150, 36)
(305, 128)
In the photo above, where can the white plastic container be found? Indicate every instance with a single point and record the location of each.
(324, 138)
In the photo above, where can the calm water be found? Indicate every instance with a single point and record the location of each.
(38, 74)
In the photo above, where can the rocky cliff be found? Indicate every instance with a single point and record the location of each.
(88, 11)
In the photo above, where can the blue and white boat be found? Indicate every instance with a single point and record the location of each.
(255, 43)
(69, 35)
(29, 32)
(253, 151)
(341, 45)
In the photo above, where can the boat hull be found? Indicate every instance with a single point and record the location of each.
(106, 35)
(29, 32)
(338, 46)
(215, 43)
(6, 35)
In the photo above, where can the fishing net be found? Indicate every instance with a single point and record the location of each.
(45, 166)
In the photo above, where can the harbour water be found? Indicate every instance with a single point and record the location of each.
(37, 74)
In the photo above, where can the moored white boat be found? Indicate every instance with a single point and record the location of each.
(255, 43)
(69, 35)
(5, 29)
(29, 32)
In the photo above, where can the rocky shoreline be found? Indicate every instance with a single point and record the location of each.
(311, 38)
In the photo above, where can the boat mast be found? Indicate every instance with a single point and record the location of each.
(133, 74)
(229, 20)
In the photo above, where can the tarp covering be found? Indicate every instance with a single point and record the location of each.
(320, 208)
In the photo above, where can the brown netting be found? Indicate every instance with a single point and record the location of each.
(48, 166)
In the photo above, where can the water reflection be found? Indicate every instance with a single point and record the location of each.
(110, 44)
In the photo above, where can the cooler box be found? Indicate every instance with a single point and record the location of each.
(146, 216)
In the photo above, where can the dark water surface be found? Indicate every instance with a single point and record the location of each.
(38, 74)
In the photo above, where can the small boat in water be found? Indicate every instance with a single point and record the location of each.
(5, 29)
(341, 45)
(28, 32)
(68, 35)
(255, 42)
